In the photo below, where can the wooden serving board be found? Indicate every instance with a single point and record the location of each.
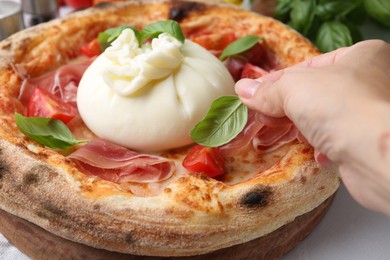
(41, 244)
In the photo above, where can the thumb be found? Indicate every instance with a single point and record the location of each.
(263, 94)
(269, 93)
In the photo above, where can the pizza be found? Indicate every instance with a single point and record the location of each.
(143, 189)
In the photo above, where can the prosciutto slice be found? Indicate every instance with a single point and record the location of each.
(271, 138)
(260, 137)
(115, 163)
(63, 83)
(243, 141)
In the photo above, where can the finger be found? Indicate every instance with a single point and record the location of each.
(334, 56)
(326, 59)
(272, 121)
(261, 96)
(268, 94)
(270, 100)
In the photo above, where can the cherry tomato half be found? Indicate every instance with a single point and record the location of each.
(215, 43)
(255, 55)
(235, 64)
(252, 72)
(91, 49)
(79, 3)
(42, 103)
(207, 160)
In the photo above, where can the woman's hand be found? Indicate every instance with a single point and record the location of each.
(340, 101)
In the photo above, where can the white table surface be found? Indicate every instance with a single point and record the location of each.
(348, 231)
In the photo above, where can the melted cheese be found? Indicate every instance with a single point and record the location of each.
(149, 98)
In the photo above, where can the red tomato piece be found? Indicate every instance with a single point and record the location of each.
(255, 55)
(252, 71)
(215, 43)
(91, 49)
(61, 2)
(79, 3)
(207, 160)
(235, 64)
(42, 103)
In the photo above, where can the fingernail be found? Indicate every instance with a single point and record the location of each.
(246, 88)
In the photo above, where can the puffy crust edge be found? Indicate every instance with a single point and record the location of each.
(194, 215)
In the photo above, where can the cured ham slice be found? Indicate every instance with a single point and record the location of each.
(260, 137)
(62, 82)
(115, 163)
(243, 141)
(271, 138)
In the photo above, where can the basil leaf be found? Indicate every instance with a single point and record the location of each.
(333, 35)
(50, 132)
(153, 30)
(239, 46)
(302, 15)
(282, 10)
(355, 32)
(315, 25)
(358, 15)
(225, 119)
(379, 10)
(108, 36)
(336, 9)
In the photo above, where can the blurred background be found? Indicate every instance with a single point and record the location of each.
(329, 24)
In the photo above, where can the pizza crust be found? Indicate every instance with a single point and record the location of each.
(194, 214)
(41, 244)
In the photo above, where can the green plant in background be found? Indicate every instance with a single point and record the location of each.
(379, 10)
(332, 24)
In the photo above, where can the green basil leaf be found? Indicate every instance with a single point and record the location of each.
(282, 10)
(50, 132)
(336, 9)
(333, 35)
(239, 46)
(108, 36)
(379, 10)
(153, 30)
(302, 15)
(315, 25)
(355, 32)
(225, 119)
(357, 16)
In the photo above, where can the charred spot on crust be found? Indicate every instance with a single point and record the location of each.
(129, 239)
(30, 179)
(38, 171)
(257, 198)
(4, 168)
(303, 179)
(35, 176)
(49, 211)
(181, 9)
